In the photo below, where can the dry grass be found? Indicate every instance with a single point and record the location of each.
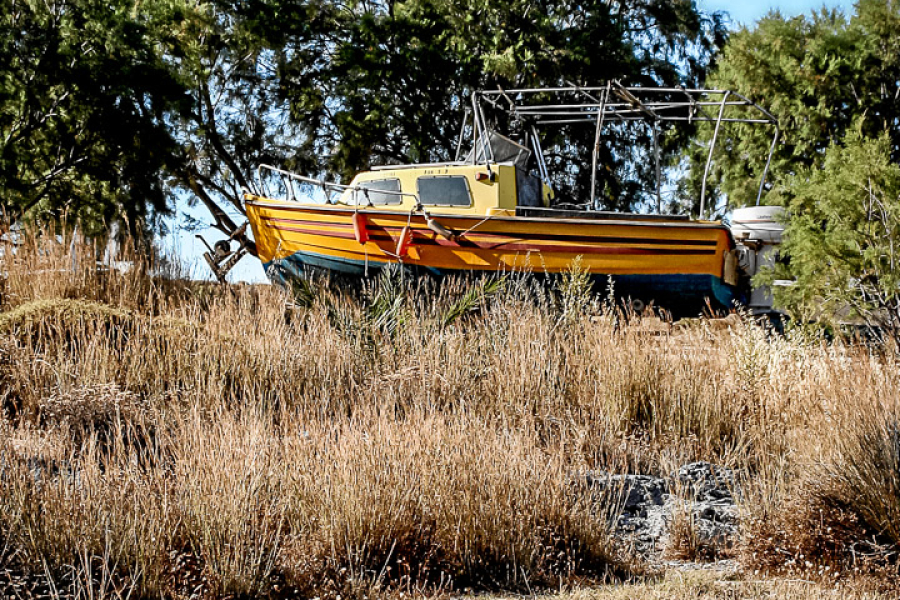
(166, 438)
(709, 585)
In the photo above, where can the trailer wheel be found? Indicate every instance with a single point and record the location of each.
(222, 248)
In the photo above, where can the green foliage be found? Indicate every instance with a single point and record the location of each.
(576, 291)
(474, 299)
(818, 74)
(227, 56)
(386, 308)
(397, 77)
(84, 98)
(841, 239)
(304, 291)
(831, 80)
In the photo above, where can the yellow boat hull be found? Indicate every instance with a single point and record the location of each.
(653, 255)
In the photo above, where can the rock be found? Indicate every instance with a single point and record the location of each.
(711, 489)
(643, 519)
(648, 505)
(41, 469)
(715, 524)
(706, 482)
(638, 491)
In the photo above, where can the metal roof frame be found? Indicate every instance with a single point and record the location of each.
(614, 101)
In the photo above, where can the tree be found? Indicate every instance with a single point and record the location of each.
(84, 100)
(832, 82)
(819, 75)
(390, 81)
(843, 236)
(226, 54)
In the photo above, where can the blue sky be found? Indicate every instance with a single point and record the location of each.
(747, 12)
(183, 243)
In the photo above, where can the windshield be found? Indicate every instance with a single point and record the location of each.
(501, 150)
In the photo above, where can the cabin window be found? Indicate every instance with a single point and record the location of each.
(444, 190)
(378, 192)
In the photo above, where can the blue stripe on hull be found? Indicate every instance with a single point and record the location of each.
(687, 294)
(682, 294)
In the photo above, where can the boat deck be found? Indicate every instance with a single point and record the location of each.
(560, 213)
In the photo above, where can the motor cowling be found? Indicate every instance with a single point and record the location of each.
(758, 232)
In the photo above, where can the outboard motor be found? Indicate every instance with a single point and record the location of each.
(757, 231)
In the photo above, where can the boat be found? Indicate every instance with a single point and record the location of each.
(494, 210)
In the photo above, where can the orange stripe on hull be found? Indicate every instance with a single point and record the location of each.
(286, 223)
(497, 244)
(515, 247)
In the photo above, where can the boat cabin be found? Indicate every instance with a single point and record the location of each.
(470, 187)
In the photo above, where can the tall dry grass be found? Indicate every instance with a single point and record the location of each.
(163, 437)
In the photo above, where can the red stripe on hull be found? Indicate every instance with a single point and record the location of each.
(512, 246)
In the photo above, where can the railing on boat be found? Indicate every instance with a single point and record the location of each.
(328, 188)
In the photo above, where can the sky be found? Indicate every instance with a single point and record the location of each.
(183, 243)
(748, 12)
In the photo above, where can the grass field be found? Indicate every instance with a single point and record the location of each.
(163, 438)
(710, 586)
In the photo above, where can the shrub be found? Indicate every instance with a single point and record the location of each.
(840, 240)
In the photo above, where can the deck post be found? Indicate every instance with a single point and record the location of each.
(768, 161)
(462, 132)
(539, 155)
(712, 146)
(289, 187)
(658, 171)
(481, 125)
(596, 153)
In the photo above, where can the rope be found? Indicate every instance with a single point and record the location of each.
(476, 225)
(366, 262)
(355, 212)
(408, 230)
